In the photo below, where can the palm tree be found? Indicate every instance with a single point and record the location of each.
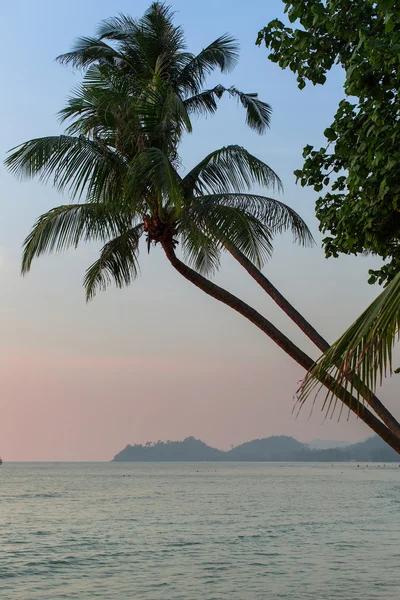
(154, 47)
(120, 152)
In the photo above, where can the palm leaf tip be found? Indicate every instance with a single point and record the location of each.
(86, 51)
(221, 54)
(117, 28)
(57, 229)
(74, 163)
(224, 51)
(65, 226)
(283, 218)
(258, 113)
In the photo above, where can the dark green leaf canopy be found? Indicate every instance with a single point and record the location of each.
(359, 168)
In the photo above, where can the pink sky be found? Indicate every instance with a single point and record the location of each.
(87, 408)
(160, 360)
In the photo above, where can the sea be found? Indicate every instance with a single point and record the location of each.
(199, 531)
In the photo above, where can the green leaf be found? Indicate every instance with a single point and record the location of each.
(330, 134)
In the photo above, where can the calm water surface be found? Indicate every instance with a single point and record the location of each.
(199, 531)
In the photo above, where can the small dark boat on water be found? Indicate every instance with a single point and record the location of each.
(1, 461)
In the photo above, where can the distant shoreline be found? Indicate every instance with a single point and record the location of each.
(201, 462)
(271, 449)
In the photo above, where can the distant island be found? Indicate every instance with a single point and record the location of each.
(275, 448)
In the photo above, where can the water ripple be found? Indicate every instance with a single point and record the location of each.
(163, 532)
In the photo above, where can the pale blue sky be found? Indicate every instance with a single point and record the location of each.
(159, 360)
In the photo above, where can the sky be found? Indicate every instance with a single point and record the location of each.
(159, 360)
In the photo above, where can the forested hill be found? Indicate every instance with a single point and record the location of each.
(188, 450)
(275, 448)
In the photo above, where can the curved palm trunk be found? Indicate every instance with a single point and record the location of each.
(282, 341)
(312, 334)
(280, 300)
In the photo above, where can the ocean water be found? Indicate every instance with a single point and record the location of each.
(199, 531)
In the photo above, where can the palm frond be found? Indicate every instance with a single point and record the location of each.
(122, 27)
(174, 114)
(158, 27)
(229, 169)
(247, 233)
(204, 103)
(277, 216)
(161, 112)
(118, 262)
(223, 53)
(200, 251)
(65, 226)
(258, 113)
(152, 172)
(90, 50)
(135, 43)
(107, 109)
(147, 42)
(76, 164)
(105, 78)
(365, 351)
(97, 104)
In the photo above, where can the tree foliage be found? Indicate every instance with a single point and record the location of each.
(358, 170)
(120, 158)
